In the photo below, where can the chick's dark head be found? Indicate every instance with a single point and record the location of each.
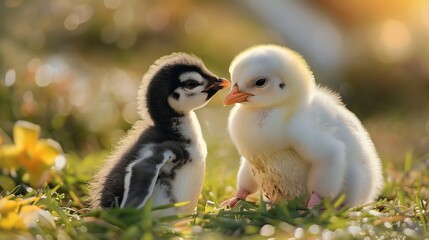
(177, 84)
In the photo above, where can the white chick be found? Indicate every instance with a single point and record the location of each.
(296, 138)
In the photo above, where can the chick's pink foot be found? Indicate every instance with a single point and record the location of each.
(240, 195)
(315, 200)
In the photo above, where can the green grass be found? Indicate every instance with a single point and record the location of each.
(400, 212)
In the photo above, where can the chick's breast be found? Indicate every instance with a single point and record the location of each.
(261, 137)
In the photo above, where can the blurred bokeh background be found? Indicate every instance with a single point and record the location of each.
(74, 66)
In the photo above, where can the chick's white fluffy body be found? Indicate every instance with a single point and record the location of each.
(296, 137)
(189, 179)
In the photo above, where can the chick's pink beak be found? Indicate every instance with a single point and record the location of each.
(235, 96)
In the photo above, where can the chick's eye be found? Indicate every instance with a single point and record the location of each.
(190, 84)
(261, 82)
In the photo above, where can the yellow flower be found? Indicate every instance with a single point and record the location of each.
(18, 215)
(36, 156)
(12, 221)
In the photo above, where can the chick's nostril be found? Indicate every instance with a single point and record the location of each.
(234, 90)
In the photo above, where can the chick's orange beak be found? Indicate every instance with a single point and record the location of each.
(224, 83)
(221, 83)
(235, 96)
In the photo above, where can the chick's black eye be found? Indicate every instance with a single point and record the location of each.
(190, 84)
(261, 82)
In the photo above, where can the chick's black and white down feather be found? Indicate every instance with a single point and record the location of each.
(163, 156)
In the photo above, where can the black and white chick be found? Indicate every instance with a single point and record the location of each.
(163, 156)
